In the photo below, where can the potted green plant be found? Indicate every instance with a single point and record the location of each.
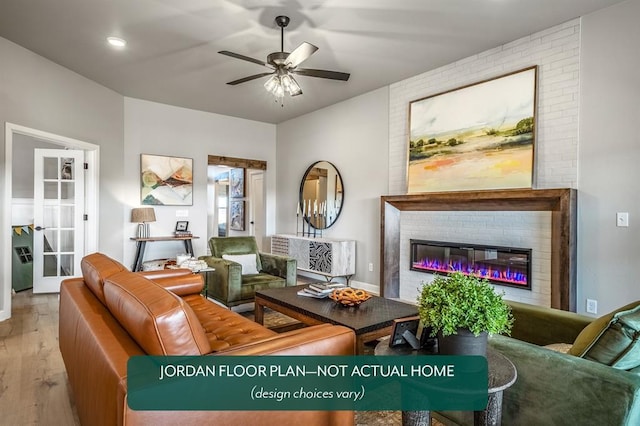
(462, 310)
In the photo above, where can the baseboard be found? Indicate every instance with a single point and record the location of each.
(369, 288)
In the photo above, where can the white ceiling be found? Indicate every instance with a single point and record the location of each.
(172, 58)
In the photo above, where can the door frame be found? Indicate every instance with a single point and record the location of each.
(252, 207)
(92, 157)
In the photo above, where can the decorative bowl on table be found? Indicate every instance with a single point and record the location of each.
(194, 264)
(349, 296)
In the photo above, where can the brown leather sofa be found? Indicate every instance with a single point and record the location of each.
(112, 314)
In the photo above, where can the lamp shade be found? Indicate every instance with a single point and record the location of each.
(143, 215)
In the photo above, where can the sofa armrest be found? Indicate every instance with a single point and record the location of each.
(280, 266)
(544, 326)
(165, 273)
(557, 388)
(225, 283)
(182, 285)
(324, 339)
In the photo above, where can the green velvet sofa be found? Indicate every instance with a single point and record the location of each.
(555, 388)
(245, 270)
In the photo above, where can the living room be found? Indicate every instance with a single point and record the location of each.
(126, 127)
(366, 140)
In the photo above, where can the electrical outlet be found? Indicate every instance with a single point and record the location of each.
(592, 306)
(370, 267)
(622, 219)
(182, 213)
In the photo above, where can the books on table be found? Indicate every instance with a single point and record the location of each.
(320, 290)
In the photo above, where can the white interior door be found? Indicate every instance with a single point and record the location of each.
(257, 218)
(58, 217)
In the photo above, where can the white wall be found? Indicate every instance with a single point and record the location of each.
(353, 136)
(23, 164)
(153, 128)
(609, 157)
(36, 93)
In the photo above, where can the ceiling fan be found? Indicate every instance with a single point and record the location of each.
(284, 65)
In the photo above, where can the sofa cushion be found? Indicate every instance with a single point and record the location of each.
(224, 328)
(612, 339)
(247, 261)
(253, 283)
(158, 320)
(96, 267)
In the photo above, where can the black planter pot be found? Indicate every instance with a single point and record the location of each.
(462, 343)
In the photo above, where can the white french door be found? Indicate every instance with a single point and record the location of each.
(58, 217)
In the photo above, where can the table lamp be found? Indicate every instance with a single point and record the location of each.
(142, 216)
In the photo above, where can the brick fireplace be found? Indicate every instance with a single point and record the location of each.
(559, 204)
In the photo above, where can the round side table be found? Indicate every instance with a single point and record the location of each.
(502, 374)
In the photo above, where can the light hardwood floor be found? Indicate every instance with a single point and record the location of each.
(33, 383)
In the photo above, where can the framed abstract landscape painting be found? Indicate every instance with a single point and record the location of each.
(480, 136)
(166, 181)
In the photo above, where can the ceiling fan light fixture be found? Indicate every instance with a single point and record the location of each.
(294, 87)
(271, 84)
(282, 83)
(287, 82)
(279, 91)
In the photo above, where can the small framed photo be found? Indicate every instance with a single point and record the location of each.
(182, 226)
(409, 331)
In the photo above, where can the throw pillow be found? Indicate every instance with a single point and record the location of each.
(612, 339)
(559, 347)
(248, 262)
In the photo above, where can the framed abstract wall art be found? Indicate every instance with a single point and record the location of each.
(236, 183)
(236, 214)
(166, 181)
(476, 137)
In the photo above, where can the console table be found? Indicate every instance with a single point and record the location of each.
(323, 256)
(141, 244)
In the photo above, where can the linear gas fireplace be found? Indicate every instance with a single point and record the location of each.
(508, 266)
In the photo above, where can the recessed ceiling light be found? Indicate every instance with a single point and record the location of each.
(116, 42)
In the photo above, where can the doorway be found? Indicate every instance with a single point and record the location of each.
(20, 146)
(225, 205)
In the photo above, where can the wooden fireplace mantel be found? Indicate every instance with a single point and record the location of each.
(560, 202)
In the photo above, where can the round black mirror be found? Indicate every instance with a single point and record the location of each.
(321, 195)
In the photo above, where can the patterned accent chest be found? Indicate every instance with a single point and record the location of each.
(320, 257)
(324, 256)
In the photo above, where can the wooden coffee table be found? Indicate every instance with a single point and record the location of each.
(370, 321)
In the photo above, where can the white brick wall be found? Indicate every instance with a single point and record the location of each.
(513, 229)
(556, 51)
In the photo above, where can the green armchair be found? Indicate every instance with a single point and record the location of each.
(240, 270)
(555, 388)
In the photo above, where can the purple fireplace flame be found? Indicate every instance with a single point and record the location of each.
(501, 265)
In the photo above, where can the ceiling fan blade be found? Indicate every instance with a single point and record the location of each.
(244, 58)
(332, 75)
(251, 77)
(300, 54)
